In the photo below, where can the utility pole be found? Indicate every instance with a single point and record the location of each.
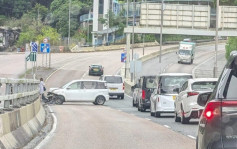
(88, 26)
(216, 44)
(161, 27)
(127, 14)
(127, 60)
(69, 22)
(133, 28)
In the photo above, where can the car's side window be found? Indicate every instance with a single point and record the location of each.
(100, 85)
(100, 78)
(75, 85)
(230, 89)
(184, 87)
(88, 85)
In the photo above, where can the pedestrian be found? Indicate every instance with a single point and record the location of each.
(42, 89)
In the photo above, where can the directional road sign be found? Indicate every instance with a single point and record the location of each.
(45, 47)
(123, 57)
(34, 47)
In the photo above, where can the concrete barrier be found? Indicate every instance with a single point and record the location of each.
(19, 127)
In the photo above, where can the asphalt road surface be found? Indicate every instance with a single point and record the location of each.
(117, 124)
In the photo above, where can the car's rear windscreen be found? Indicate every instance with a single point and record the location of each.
(150, 82)
(113, 79)
(207, 85)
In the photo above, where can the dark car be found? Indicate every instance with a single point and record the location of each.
(96, 70)
(145, 89)
(218, 122)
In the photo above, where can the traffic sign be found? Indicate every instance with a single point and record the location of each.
(45, 40)
(31, 57)
(34, 47)
(45, 47)
(123, 57)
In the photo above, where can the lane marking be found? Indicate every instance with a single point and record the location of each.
(128, 96)
(209, 59)
(120, 110)
(51, 133)
(83, 76)
(192, 137)
(167, 126)
(148, 119)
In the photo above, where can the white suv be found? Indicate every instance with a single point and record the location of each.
(114, 84)
(186, 106)
(82, 90)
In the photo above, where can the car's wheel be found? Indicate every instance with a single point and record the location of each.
(122, 96)
(152, 113)
(192, 61)
(197, 143)
(176, 118)
(157, 114)
(59, 100)
(184, 120)
(133, 104)
(94, 103)
(100, 100)
(179, 62)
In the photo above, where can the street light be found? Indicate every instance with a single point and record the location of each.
(161, 27)
(216, 44)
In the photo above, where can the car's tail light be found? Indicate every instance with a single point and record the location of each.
(123, 86)
(192, 93)
(143, 95)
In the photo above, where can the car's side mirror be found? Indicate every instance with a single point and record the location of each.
(176, 90)
(203, 98)
(68, 88)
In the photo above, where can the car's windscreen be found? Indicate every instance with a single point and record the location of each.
(207, 85)
(113, 79)
(184, 52)
(169, 83)
(150, 83)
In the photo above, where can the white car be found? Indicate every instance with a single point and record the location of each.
(186, 106)
(115, 85)
(162, 99)
(82, 90)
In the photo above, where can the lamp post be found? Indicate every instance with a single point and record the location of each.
(161, 27)
(216, 44)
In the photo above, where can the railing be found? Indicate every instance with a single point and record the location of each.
(15, 93)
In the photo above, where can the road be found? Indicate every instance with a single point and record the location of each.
(90, 126)
(83, 125)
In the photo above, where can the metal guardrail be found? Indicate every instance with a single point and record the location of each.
(15, 93)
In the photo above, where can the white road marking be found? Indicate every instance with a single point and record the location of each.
(84, 74)
(51, 133)
(167, 126)
(119, 110)
(148, 119)
(191, 137)
(128, 96)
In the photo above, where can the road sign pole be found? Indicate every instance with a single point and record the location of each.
(25, 67)
(46, 60)
(49, 60)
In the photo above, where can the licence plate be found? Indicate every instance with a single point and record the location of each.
(113, 89)
(174, 97)
(96, 69)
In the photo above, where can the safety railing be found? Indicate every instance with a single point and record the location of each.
(15, 93)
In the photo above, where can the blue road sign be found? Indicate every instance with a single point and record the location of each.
(34, 47)
(123, 57)
(45, 47)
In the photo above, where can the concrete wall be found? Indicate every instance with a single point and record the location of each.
(228, 17)
(175, 15)
(18, 127)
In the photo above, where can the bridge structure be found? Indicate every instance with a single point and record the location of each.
(181, 19)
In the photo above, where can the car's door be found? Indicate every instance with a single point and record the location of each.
(180, 97)
(89, 90)
(74, 92)
(229, 111)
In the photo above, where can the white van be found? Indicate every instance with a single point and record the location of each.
(163, 97)
(115, 85)
(81, 90)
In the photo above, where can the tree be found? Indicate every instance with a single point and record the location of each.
(231, 45)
